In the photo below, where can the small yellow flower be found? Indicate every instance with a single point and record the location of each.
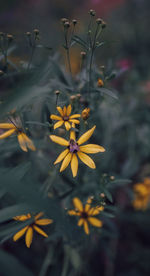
(29, 228)
(74, 150)
(142, 195)
(13, 127)
(65, 117)
(85, 113)
(100, 83)
(86, 214)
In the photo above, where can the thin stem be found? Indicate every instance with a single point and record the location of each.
(31, 57)
(68, 52)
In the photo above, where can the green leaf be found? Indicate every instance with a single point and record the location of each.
(107, 92)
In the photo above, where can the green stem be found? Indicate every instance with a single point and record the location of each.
(31, 57)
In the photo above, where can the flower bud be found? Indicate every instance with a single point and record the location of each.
(100, 83)
(92, 12)
(9, 37)
(78, 96)
(28, 33)
(67, 24)
(63, 20)
(36, 31)
(102, 195)
(83, 54)
(57, 92)
(112, 177)
(72, 98)
(1, 73)
(103, 25)
(98, 21)
(74, 21)
(85, 114)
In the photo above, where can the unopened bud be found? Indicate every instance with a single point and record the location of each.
(112, 177)
(72, 98)
(92, 12)
(67, 24)
(103, 25)
(61, 131)
(83, 54)
(74, 21)
(102, 195)
(100, 83)
(36, 31)
(85, 114)
(57, 92)
(28, 33)
(63, 20)
(78, 96)
(98, 21)
(1, 73)
(9, 37)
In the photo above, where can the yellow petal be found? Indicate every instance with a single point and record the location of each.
(38, 215)
(86, 136)
(66, 162)
(29, 236)
(7, 125)
(65, 111)
(55, 117)
(67, 125)
(88, 205)
(73, 213)
(22, 217)
(86, 228)
(60, 111)
(69, 109)
(91, 148)
(22, 142)
(75, 116)
(95, 210)
(78, 204)
(95, 222)
(80, 222)
(7, 133)
(74, 165)
(29, 142)
(58, 124)
(44, 221)
(72, 135)
(74, 121)
(61, 156)
(86, 159)
(19, 234)
(59, 140)
(40, 231)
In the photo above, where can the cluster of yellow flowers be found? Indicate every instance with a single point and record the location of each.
(74, 150)
(142, 195)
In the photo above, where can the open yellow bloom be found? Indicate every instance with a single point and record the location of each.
(86, 214)
(24, 141)
(74, 150)
(29, 228)
(142, 195)
(65, 117)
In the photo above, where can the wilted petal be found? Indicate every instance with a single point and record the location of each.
(77, 204)
(86, 136)
(29, 236)
(86, 160)
(20, 233)
(61, 156)
(22, 142)
(58, 124)
(69, 109)
(66, 162)
(40, 231)
(55, 117)
(7, 133)
(95, 222)
(74, 165)
(59, 140)
(91, 148)
(29, 142)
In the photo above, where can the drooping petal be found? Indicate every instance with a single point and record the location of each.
(55, 117)
(29, 142)
(77, 204)
(95, 210)
(58, 124)
(69, 110)
(91, 148)
(67, 125)
(7, 133)
(75, 116)
(86, 228)
(86, 160)
(44, 221)
(80, 222)
(74, 121)
(73, 213)
(59, 140)
(65, 111)
(29, 236)
(95, 222)
(22, 142)
(61, 156)
(86, 136)
(6, 125)
(40, 231)
(60, 110)
(66, 162)
(20, 233)
(74, 165)
(38, 215)
(88, 205)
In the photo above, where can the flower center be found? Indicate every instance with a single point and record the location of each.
(66, 118)
(84, 215)
(73, 147)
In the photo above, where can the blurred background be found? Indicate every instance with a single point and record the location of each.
(127, 53)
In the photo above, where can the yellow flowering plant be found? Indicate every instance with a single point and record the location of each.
(141, 199)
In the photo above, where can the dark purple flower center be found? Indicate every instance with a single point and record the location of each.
(66, 118)
(84, 215)
(73, 147)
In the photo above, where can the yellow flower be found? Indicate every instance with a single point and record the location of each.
(65, 117)
(86, 214)
(100, 83)
(142, 195)
(29, 228)
(24, 141)
(74, 150)
(85, 113)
